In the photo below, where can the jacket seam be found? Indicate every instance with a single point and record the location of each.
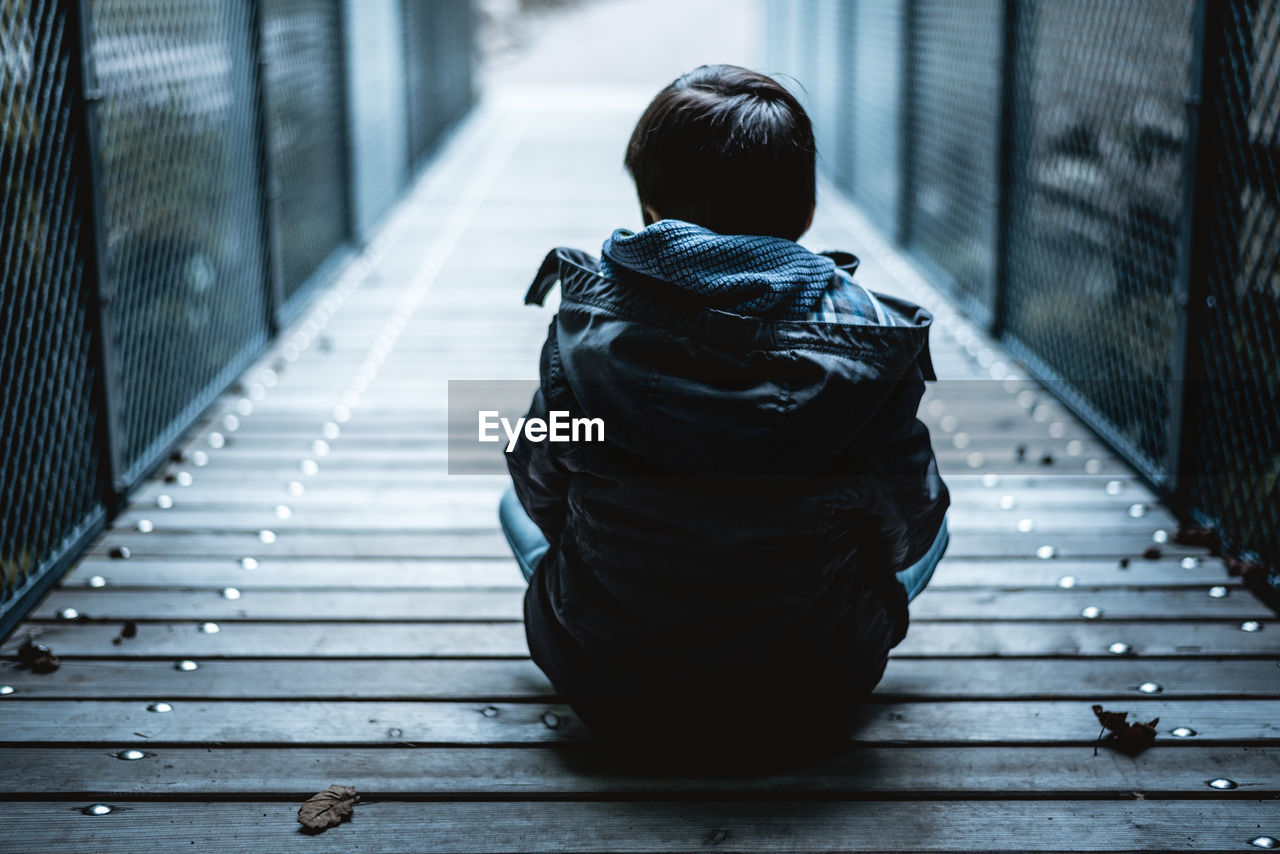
(622, 313)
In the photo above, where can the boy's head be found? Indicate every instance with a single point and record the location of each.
(728, 149)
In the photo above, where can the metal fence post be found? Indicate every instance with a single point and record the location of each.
(1190, 287)
(109, 389)
(1005, 152)
(344, 110)
(413, 157)
(269, 195)
(906, 135)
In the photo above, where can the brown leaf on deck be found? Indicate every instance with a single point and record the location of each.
(1242, 568)
(327, 809)
(1130, 738)
(1197, 535)
(38, 657)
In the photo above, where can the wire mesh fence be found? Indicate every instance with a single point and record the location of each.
(1097, 182)
(303, 86)
(52, 442)
(1099, 136)
(182, 217)
(438, 38)
(953, 120)
(146, 257)
(1233, 438)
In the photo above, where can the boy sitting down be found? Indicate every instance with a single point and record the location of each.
(737, 555)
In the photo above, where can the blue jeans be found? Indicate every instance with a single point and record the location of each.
(524, 537)
(528, 545)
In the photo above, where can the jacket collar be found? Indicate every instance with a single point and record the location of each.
(640, 298)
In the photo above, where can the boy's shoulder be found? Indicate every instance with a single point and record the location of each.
(846, 301)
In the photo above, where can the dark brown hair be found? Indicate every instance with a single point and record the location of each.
(729, 149)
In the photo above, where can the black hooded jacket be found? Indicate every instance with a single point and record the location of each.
(731, 545)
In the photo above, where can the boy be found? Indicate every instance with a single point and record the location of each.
(765, 503)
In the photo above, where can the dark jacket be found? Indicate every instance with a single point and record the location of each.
(730, 548)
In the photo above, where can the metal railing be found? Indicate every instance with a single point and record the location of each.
(1097, 182)
(178, 179)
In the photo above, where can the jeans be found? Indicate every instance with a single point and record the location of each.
(528, 545)
(524, 537)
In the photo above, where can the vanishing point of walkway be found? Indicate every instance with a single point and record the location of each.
(351, 614)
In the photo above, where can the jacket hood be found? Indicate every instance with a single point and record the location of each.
(687, 387)
(760, 276)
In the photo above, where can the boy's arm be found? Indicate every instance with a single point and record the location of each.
(908, 517)
(911, 468)
(541, 482)
(538, 474)
(919, 493)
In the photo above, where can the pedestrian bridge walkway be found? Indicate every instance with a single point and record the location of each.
(304, 597)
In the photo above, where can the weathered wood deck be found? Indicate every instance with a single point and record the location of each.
(376, 641)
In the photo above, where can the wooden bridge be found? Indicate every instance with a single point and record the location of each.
(305, 597)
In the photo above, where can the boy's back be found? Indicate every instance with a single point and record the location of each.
(735, 539)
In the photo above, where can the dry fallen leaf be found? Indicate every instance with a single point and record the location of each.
(328, 808)
(1197, 535)
(128, 630)
(38, 657)
(1245, 568)
(1130, 738)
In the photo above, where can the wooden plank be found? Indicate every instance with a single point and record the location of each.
(351, 332)
(451, 773)
(287, 469)
(288, 605)
(967, 492)
(423, 481)
(438, 515)
(507, 639)
(300, 573)
(382, 723)
(277, 417)
(263, 435)
(1059, 604)
(593, 827)
(351, 335)
(345, 471)
(1088, 680)
(978, 400)
(344, 455)
(953, 573)
(245, 446)
(288, 427)
(409, 466)
(490, 543)
(507, 604)
(398, 392)
(276, 640)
